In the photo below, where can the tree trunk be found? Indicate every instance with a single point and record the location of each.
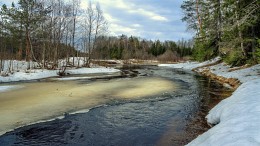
(28, 52)
(198, 16)
(219, 26)
(240, 35)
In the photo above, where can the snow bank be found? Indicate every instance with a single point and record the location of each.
(20, 72)
(77, 60)
(91, 70)
(34, 74)
(16, 65)
(237, 118)
(243, 75)
(190, 65)
(39, 74)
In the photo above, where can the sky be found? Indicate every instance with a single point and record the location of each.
(149, 19)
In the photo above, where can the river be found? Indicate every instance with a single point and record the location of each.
(157, 106)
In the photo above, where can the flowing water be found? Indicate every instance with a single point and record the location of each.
(160, 106)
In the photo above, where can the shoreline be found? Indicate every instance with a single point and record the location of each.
(232, 83)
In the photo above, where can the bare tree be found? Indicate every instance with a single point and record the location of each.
(75, 9)
(101, 24)
(94, 25)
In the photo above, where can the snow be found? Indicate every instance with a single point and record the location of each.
(20, 73)
(34, 74)
(70, 78)
(243, 75)
(91, 70)
(190, 65)
(237, 118)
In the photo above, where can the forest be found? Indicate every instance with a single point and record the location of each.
(47, 31)
(226, 28)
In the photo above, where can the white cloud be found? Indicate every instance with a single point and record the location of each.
(149, 14)
(110, 18)
(132, 8)
(117, 29)
(136, 25)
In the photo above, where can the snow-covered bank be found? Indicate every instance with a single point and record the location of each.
(190, 65)
(19, 72)
(39, 74)
(237, 118)
(243, 75)
(22, 75)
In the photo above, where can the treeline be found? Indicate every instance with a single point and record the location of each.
(229, 28)
(124, 47)
(50, 31)
(45, 31)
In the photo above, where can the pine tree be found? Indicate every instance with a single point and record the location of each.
(228, 28)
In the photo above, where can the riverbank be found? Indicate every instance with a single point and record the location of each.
(236, 118)
(18, 71)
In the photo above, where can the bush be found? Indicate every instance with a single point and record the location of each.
(235, 58)
(202, 51)
(168, 56)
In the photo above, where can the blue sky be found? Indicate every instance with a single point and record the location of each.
(150, 19)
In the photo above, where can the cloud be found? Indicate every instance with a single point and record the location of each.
(149, 14)
(150, 19)
(110, 18)
(128, 6)
(117, 29)
(136, 25)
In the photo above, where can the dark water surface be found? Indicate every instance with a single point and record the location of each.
(169, 119)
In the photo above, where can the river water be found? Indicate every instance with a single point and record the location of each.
(173, 115)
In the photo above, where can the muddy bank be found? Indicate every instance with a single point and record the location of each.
(229, 82)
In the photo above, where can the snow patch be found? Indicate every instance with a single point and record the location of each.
(34, 74)
(91, 70)
(70, 78)
(243, 75)
(190, 65)
(21, 74)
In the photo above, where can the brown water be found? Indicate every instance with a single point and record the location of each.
(135, 111)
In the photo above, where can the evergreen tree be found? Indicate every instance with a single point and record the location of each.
(228, 28)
